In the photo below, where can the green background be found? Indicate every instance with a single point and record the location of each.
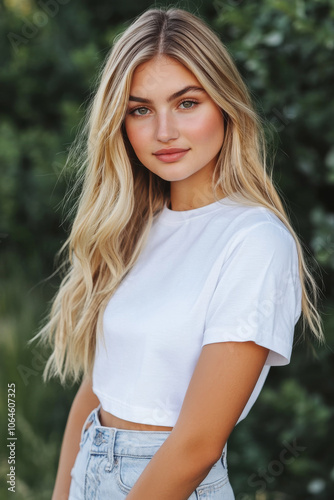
(50, 54)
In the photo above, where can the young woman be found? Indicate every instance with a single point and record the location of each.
(185, 277)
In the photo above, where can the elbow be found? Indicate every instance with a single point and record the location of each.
(200, 456)
(211, 454)
(203, 459)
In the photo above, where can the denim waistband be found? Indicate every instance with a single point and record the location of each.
(133, 443)
(124, 441)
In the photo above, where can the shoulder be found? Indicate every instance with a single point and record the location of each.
(257, 230)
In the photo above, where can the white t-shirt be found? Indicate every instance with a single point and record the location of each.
(222, 272)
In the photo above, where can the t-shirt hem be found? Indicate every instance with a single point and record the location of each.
(279, 352)
(140, 415)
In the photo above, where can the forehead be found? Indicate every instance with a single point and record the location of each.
(162, 73)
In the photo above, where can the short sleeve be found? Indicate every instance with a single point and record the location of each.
(258, 292)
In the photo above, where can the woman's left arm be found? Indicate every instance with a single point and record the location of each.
(223, 380)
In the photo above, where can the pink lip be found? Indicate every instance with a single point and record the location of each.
(169, 151)
(170, 155)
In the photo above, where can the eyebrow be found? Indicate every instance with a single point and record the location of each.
(189, 88)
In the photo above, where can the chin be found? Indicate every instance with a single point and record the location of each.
(174, 172)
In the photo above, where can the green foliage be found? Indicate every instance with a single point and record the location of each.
(50, 60)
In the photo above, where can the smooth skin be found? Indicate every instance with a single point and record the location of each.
(189, 121)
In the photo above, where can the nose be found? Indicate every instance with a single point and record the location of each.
(166, 127)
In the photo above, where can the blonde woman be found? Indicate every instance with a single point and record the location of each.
(185, 277)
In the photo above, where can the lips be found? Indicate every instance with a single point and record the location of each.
(169, 151)
(170, 155)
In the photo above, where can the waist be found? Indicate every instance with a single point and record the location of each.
(109, 420)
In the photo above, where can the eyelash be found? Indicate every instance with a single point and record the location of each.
(182, 102)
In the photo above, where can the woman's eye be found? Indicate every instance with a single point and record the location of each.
(188, 104)
(133, 112)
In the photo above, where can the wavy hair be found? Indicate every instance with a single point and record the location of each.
(119, 197)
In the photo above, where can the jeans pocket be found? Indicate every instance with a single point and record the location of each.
(130, 468)
(220, 489)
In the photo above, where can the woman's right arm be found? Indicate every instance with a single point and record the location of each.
(84, 402)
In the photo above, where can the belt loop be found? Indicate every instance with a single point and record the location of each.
(111, 446)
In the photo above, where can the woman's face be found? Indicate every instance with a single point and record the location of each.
(168, 109)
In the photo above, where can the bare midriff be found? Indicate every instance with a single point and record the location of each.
(109, 420)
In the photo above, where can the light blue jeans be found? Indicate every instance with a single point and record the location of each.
(110, 461)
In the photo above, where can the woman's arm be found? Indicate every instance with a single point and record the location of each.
(84, 402)
(223, 380)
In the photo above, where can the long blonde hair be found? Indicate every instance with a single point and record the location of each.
(120, 197)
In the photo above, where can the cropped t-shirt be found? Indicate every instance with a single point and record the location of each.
(222, 272)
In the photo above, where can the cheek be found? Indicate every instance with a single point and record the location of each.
(137, 136)
(209, 129)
